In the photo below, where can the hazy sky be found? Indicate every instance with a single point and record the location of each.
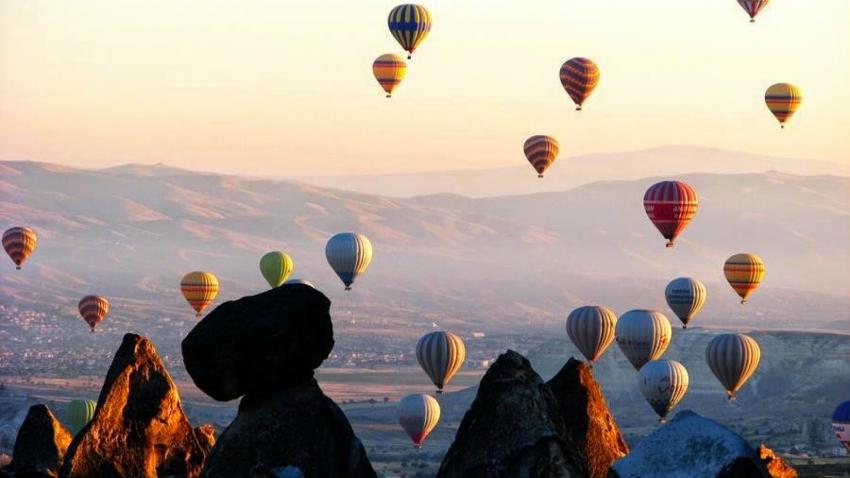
(285, 87)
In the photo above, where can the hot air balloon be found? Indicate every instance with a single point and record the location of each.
(685, 296)
(440, 354)
(744, 273)
(299, 281)
(349, 254)
(389, 70)
(643, 335)
(753, 7)
(733, 358)
(418, 414)
(579, 77)
(841, 424)
(541, 151)
(199, 288)
(276, 267)
(670, 205)
(663, 383)
(591, 329)
(19, 243)
(409, 24)
(93, 309)
(782, 100)
(79, 413)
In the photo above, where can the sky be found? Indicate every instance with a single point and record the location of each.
(285, 87)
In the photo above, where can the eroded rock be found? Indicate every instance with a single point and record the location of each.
(40, 445)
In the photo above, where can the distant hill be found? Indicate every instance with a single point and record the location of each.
(571, 171)
(510, 262)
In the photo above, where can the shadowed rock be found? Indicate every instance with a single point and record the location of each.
(139, 429)
(40, 445)
(259, 343)
(514, 428)
(588, 421)
(295, 429)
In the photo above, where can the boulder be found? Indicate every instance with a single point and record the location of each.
(139, 429)
(294, 429)
(260, 343)
(514, 428)
(588, 421)
(694, 447)
(40, 445)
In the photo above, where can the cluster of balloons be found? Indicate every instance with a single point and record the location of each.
(409, 25)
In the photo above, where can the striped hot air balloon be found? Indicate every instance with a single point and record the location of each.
(841, 424)
(663, 383)
(349, 255)
(579, 77)
(591, 328)
(389, 70)
(670, 205)
(685, 296)
(79, 413)
(275, 267)
(409, 24)
(643, 335)
(93, 309)
(782, 100)
(19, 242)
(200, 289)
(541, 151)
(753, 7)
(440, 354)
(744, 273)
(733, 358)
(418, 415)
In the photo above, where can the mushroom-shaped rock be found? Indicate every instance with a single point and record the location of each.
(139, 429)
(293, 429)
(588, 420)
(693, 446)
(40, 445)
(259, 343)
(514, 428)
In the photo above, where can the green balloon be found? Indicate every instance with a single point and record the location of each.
(276, 267)
(79, 413)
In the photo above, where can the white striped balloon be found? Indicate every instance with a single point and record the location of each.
(643, 335)
(663, 383)
(349, 254)
(733, 358)
(418, 415)
(685, 296)
(591, 329)
(440, 354)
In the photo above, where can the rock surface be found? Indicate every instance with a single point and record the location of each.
(691, 446)
(139, 429)
(259, 343)
(40, 445)
(289, 430)
(589, 423)
(514, 428)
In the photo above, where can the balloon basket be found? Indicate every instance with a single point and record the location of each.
(439, 392)
(17, 268)
(540, 176)
(578, 108)
(669, 244)
(662, 420)
(348, 287)
(389, 95)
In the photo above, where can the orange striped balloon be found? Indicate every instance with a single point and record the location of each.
(389, 70)
(541, 151)
(782, 100)
(93, 309)
(200, 289)
(752, 7)
(744, 273)
(19, 243)
(579, 77)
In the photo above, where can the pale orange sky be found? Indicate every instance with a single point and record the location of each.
(285, 87)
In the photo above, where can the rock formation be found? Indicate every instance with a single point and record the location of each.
(776, 466)
(588, 421)
(692, 446)
(514, 428)
(139, 429)
(40, 445)
(261, 342)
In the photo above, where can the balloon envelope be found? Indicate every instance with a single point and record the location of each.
(753, 7)
(440, 354)
(841, 424)
(579, 77)
(389, 69)
(349, 255)
(663, 383)
(591, 328)
(782, 100)
(643, 335)
(685, 296)
(93, 309)
(418, 415)
(409, 25)
(19, 243)
(200, 289)
(541, 151)
(79, 413)
(733, 358)
(744, 273)
(276, 267)
(670, 206)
